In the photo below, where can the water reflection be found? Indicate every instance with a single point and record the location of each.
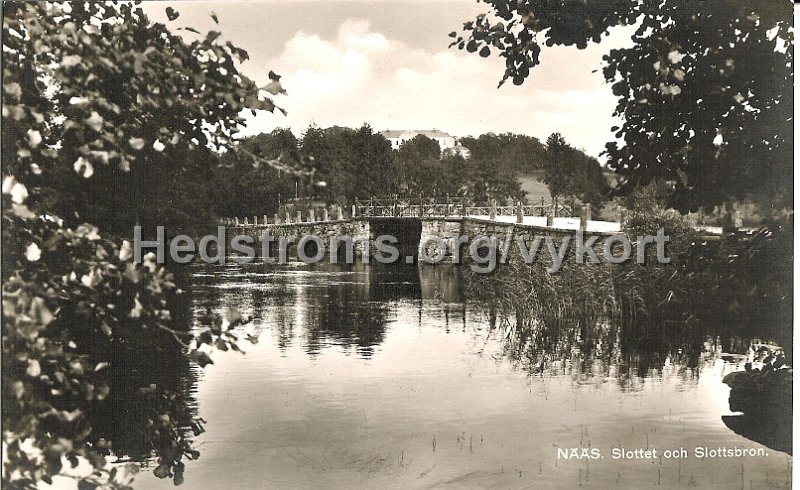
(351, 307)
(151, 409)
(366, 375)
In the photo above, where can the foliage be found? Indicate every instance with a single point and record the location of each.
(647, 216)
(95, 94)
(433, 177)
(705, 92)
(570, 172)
(738, 284)
(352, 162)
(485, 181)
(515, 152)
(556, 175)
(242, 187)
(358, 163)
(420, 147)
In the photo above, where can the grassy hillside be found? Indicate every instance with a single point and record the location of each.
(534, 187)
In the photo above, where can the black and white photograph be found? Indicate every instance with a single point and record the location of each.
(397, 244)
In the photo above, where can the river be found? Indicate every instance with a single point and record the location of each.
(389, 378)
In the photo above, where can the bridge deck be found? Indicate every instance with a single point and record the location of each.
(558, 223)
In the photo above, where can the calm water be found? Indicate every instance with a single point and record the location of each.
(389, 379)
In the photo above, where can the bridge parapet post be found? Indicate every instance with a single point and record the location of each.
(520, 213)
(266, 220)
(288, 218)
(551, 214)
(312, 215)
(325, 213)
(583, 216)
(277, 220)
(299, 216)
(339, 213)
(353, 211)
(493, 209)
(236, 220)
(246, 221)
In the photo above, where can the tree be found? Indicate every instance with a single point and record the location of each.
(243, 187)
(352, 162)
(512, 152)
(705, 92)
(418, 148)
(570, 172)
(556, 171)
(97, 92)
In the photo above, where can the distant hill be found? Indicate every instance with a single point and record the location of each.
(534, 187)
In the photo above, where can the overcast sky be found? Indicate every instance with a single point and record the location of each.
(388, 64)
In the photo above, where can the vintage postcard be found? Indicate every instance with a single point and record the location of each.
(406, 244)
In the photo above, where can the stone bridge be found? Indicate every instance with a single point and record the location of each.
(428, 235)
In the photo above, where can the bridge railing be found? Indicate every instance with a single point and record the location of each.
(411, 208)
(431, 207)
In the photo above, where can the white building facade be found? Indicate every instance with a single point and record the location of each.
(398, 137)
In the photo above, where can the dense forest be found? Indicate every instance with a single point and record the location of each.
(339, 165)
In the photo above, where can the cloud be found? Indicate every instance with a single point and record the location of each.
(361, 75)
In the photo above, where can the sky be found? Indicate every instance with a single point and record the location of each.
(388, 64)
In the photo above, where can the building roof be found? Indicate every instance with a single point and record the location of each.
(410, 133)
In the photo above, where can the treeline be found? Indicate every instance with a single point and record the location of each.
(356, 163)
(345, 164)
(192, 187)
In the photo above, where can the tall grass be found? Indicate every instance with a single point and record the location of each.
(740, 282)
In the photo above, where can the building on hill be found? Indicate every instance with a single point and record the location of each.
(398, 137)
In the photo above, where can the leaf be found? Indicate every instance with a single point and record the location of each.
(162, 471)
(71, 60)
(95, 121)
(34, 138)
(83, 167)
(125, 251)
(22, 211)
(18, 192)
(274, 87)
(200, 358)
(136, 143)
(136, 311)
(172, 14)
(34, 369)
(33, 252)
